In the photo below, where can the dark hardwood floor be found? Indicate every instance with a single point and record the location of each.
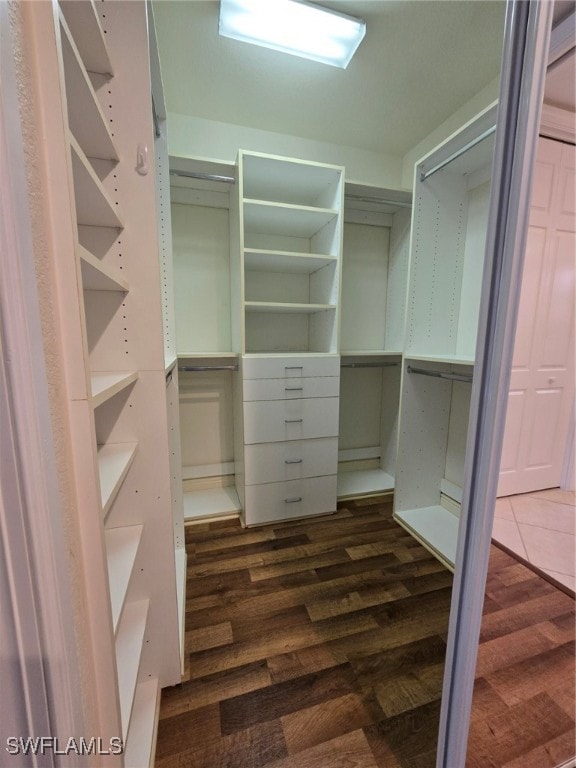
(320, 644)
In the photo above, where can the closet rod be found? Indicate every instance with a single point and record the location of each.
(467, 378)
(378, 200)
(194, 368)
(204, 176)
(425, 174)
(367, 365)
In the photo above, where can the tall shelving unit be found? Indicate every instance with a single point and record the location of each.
(98, 117)
(286, 243)
(451, 197)
(374, 279)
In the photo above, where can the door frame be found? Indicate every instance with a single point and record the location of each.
(524, 62)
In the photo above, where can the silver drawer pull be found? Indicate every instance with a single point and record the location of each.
(293, 461)
(293, 389)
(293, 421)
(295, 500)
(293, 367)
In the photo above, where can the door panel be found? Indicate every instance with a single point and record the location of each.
(540, 403)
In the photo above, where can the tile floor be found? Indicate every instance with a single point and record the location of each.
(539, 528)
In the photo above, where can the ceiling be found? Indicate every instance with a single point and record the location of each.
(419, 62)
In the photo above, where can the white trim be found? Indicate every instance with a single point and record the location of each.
(558, 123)
(208, 470)
(31, 511)
(562, 38)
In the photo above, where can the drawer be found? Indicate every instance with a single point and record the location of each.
(291, 460)
(270, 421)
(290, 499)
(281, 389)
(295, 366)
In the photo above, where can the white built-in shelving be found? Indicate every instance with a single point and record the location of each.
(374, 279)
(286, 229)
(127, 456)
(451, 198)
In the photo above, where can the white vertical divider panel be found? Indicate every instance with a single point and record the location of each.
(145, 497)
(397, 284)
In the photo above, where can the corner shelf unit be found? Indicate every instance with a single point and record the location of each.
(286, 227)
(109, 281)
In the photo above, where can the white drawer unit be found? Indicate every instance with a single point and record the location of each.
(290, 499)
(290, 460)
(293, 366)
(268, 421)
(283, 389)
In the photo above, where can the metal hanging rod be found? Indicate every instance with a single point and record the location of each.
(194, 368)
(426, 174)
(204, 176)
(465, 377)
(368, 365)
(378, 200)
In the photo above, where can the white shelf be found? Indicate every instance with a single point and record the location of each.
(285, 261)
(271, 177)
(85, 116)
(94, 208)
(106, 384)
(285, 308)
(86, 30)
(365, 482)
(269, 218)
(97, 276)
(129, 642)
(450, 359)
(141, 742)
(435, 528)
(212, 502)
(121, 549)
(181, 562)
(385, 353)
(114, 461)
(201, 355)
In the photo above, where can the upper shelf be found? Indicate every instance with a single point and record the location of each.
(273, 218)
(268, 177)
(85, 116)
(285, 261)
(84, 24)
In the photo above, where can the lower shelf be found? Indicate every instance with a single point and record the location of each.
(141, 743)
(365, 482)
(212, 502)
(435, 528)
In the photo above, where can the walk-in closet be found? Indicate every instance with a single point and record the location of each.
(255, 284)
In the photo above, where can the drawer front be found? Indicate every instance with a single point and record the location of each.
(270, 421)
(290, 367)
(290, 499)
(281, 389)
(291, 460)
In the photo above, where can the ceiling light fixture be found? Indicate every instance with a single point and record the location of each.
(295, 27)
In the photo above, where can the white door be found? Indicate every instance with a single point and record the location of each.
(541, 398)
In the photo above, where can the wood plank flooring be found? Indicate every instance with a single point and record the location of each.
(320, 644)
